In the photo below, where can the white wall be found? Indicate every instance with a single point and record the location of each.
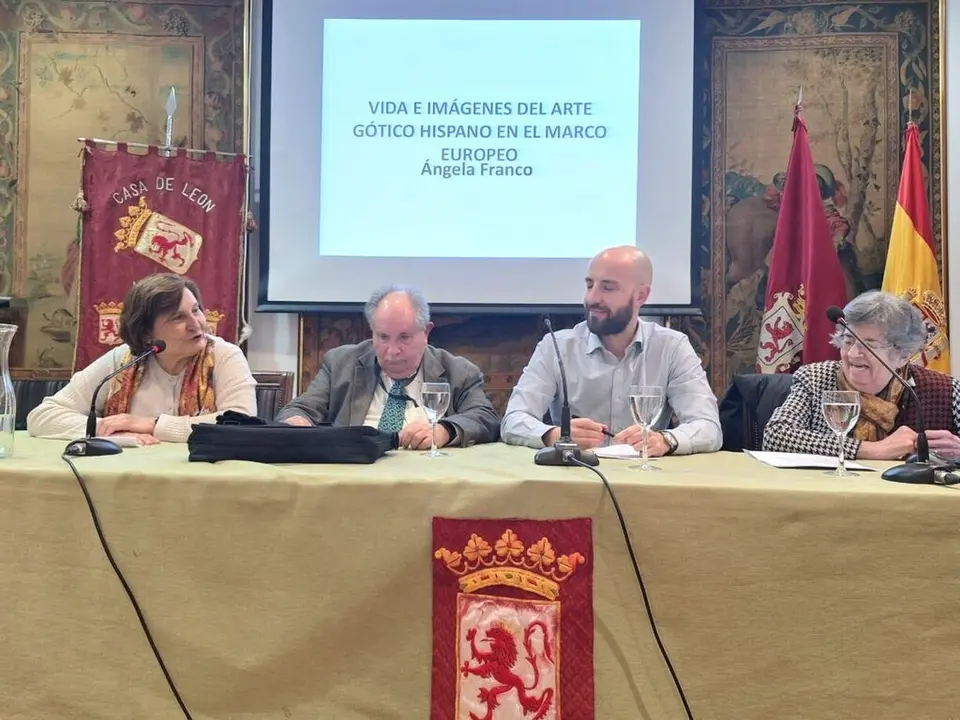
(276, 336)
(950, 32)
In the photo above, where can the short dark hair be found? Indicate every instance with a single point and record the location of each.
(147, 301)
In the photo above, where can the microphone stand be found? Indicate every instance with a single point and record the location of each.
(919, 471)
(564, 451)
(91, 445)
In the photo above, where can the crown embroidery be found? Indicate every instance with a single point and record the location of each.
(536, 569)
(108, 308)
(930, 304)
(132, 224)
(213, 320)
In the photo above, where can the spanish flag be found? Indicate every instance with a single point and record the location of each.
(911, 270)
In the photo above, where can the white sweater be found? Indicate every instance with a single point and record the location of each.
(64, 415)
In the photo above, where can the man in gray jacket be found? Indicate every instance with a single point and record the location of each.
(377, 382)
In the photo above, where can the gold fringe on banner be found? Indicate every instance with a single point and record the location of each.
(80, 203)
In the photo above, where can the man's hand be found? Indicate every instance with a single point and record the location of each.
(299, 421)
(944, 443)
(416, 436)
(898, 444)
(143, 439)
(633, 436)
(584, 432)
(125, 423)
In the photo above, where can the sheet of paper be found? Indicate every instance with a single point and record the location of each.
(620, 452)
(124, 441)
(802, 460)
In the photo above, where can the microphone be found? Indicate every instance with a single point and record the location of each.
(564, 451)
(91, 445)
(919, 471)
(946, 477)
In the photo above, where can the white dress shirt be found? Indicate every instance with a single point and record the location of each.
(599, 384)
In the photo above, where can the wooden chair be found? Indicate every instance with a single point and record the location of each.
(274, 390)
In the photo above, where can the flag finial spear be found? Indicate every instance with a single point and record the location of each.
(171, 109)
(798, 108)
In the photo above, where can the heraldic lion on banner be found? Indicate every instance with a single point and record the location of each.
(498, 626)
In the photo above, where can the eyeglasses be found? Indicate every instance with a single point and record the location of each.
(847, 341)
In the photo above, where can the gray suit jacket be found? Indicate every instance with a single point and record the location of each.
(343, 389)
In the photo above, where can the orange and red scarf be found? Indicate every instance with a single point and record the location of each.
(197, 396)
(878, 413)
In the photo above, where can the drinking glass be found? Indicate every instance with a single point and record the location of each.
(8, 397)
(434, 399)
(841, 410)
(646, 402)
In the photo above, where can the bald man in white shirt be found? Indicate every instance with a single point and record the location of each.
(611, 350)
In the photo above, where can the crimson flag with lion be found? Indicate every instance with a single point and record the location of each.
(805, 276)
(148, 213)
(511, 597)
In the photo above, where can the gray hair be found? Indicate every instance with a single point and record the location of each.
(901, 321)
(419, 302)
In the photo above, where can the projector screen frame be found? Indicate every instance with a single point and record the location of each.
(264, 304)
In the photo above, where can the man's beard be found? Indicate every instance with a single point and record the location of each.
(614, 323)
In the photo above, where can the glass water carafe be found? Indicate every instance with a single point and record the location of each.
(8, 398)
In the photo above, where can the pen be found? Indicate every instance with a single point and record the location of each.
(602, 428)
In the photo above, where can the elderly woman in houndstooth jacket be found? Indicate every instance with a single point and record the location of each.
(886, 430)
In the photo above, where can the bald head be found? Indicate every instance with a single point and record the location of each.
(400, 320)
(627, 262)
(618, 284)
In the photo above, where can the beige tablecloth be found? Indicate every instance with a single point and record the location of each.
(304, 591)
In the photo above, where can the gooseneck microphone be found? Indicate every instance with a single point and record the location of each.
(564, 451)
(921, 471)
(91, 445)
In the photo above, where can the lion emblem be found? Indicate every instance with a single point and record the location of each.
(498, 664)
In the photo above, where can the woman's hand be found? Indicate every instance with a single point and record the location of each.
(898, 444)
(125, 423)
(944, 443)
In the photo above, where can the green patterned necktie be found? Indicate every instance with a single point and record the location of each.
(392, 417)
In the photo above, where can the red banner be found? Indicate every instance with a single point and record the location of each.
(805, 275)
(147, 214)
(512, 619)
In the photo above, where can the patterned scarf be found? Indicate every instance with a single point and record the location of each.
(878, 413)
(197, 396)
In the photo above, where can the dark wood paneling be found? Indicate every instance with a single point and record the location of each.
(500, 345)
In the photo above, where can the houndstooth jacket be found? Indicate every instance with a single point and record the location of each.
(798, 424)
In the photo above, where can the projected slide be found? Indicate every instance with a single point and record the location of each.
(478, 138)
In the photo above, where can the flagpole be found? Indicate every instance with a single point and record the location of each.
(101, 141)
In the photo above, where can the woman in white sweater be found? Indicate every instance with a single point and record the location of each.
(196, 377)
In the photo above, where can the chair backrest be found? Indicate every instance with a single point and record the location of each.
(747, 405)
(30, 392)
(274, 390)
